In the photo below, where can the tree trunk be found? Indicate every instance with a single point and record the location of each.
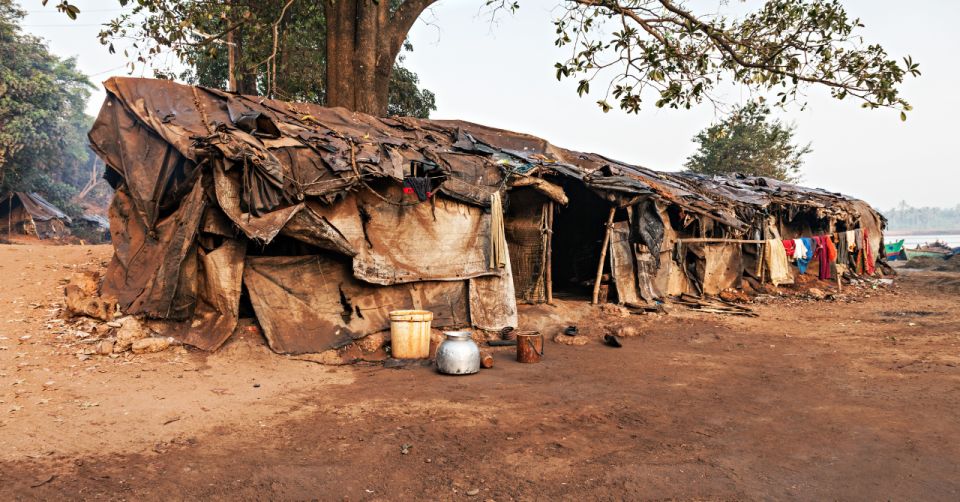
(246, 78)
(363, 40)
(231, 61)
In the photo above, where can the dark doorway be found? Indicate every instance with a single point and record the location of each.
(578, 231)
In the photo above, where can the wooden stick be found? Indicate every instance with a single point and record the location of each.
(550, 252)
(603, 254)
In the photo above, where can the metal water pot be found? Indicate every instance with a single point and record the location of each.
(458, 355)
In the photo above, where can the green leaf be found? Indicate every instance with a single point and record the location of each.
(903, 116)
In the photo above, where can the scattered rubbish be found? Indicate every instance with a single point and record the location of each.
(713, 306)
(486, 360)
(612, 341)
(395, 363)
(472, 492)
(44, 481)
(405, 448)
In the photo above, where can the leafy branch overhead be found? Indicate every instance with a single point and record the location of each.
(638, 50)
(658, 47)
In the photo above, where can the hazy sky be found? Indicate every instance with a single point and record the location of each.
(502, 75)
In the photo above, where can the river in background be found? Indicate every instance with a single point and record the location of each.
(912, 241)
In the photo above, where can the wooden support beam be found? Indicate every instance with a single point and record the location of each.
(603, 255)
(549, 265)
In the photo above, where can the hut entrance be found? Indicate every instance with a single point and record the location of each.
(526, 225)
(577, 236)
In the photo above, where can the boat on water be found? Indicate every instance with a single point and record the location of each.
(895, 251)
(937, 249)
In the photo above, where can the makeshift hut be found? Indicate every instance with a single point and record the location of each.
(27, 213)
(92, 228)
(323, 220)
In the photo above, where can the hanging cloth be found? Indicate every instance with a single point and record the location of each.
(789, 247)
(843, 252)
(823, 256)
(868, 253)
(775, 257)
(806, 244)
(498, 240)
(799, 250)
(421, 186)
(851, 240)
(831, 248)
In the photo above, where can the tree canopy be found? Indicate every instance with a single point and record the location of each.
(748, 142)
(278, 48)
(662, 49)
(43, 127)
(654, 50)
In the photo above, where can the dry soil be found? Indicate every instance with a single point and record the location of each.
(851, 399)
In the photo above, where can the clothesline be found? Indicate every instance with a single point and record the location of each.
(741, 241)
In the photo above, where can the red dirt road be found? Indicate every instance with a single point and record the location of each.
(828, 400)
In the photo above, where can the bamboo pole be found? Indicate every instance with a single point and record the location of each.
(549, 271)
(720, 240)
(603, 255)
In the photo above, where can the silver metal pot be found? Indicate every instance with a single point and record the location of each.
(458, 354)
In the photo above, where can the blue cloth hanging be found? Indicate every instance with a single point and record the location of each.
(803, 262)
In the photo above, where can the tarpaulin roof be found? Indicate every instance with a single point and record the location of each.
(206, 180)
(39, 208)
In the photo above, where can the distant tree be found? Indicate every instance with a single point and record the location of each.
(747, 141)
(43, 145)
(638, 48)
(905, 217)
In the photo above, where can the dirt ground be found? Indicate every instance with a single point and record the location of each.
(853, 399)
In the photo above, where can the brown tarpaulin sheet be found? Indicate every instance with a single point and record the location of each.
(622, 266)
(313, 303)
(211, 185)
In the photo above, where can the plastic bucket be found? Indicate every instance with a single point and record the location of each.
(410, 334)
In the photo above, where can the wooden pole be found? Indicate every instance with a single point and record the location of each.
(549, 271)
(717, 240)
(603, 255)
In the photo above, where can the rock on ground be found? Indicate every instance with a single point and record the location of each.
(571, 340)
(372, 343)
(82, 298)
(148, 345)
(130, 331)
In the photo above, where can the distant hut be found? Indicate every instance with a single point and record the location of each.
(92, 228)
(27, 213)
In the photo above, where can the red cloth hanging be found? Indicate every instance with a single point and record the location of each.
(869, 254)
(790, 247)
(822, 255)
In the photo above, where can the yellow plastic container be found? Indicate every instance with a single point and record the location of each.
(410, 334)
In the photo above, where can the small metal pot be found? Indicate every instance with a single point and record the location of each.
(458, 355)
